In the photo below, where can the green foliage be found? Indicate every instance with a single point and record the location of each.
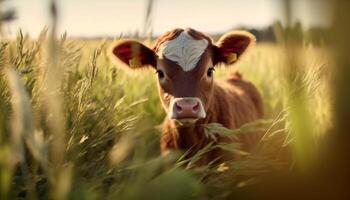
(103, 122)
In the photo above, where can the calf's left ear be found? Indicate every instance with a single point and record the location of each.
(231, 46)
(133, 54)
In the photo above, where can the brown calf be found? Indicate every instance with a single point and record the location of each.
(185, 61)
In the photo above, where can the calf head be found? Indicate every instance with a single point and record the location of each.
(184, 61)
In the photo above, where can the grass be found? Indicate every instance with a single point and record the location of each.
(74, 125)
(82, 128)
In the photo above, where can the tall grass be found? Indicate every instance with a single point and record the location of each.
(73, 125)
(111, 143)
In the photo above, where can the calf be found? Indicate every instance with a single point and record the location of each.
(185, 61)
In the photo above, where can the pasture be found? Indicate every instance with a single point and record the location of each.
(76, 125)
(108, 121)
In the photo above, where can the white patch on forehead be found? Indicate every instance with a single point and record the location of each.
(184, 50)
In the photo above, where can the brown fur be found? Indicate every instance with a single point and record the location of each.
(231, 102)
(235, 102)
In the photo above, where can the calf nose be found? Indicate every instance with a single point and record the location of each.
(186, 108)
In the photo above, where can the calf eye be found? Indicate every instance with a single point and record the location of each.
(210, 71)
(160, 74)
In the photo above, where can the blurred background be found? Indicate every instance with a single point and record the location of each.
(109, 18)
(74, 125)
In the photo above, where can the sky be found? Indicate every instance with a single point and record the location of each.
(91, 18)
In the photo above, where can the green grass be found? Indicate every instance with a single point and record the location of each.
(82, 128)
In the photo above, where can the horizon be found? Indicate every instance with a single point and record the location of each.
(108, 18)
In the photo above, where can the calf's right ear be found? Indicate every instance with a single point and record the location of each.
(134, 54)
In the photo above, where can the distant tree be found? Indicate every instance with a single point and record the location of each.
(7, 15)
(318, 35)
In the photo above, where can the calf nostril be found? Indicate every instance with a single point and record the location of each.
(178, 108)
(195, 108)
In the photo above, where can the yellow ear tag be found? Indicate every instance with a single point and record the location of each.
(232, 57)
(135, 62)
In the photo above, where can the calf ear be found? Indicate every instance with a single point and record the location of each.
(134, 54)
(231, 46)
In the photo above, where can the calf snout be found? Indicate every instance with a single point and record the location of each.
(186, 108)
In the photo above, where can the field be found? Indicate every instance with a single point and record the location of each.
(75, 125)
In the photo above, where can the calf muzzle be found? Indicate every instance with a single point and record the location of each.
(186, 108)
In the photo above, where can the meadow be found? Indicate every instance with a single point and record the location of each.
(75, 125)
